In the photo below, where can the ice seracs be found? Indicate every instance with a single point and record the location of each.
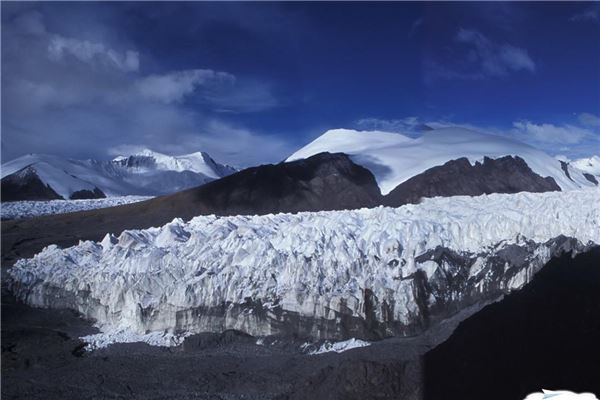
(393, 158)
(365, 273)
(30, 209)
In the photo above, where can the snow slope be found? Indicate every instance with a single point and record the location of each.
(394, 158)
(63, 176)
(179, 278)
(560, 395)
(30, 209)
(146, 173)
(590, 165)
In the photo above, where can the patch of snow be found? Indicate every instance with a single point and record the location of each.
(394, 158)
(102, 340)
(313, 264)
(560, 395)
(591, 165)
(30, 209)
(340, 347)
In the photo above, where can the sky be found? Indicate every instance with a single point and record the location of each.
(252, 82)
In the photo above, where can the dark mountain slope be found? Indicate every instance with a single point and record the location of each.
(26, 185)
(544, 336)
(322, 182)
(458, 177)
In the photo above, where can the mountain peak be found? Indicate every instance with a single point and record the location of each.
(394, 158)
(146, 172)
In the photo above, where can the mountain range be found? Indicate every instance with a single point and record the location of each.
(147, 173)
(241, 253)
(394, 158)
(343, 169)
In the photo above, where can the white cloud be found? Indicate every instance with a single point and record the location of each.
(590, 14)
(410, 126)
(589, 119)
(516, 58)
(415, 26)
(92, 53)
(494, 59)
(225, 142)
(77, 98)
(573, 140)
(549, 133)
(31, 23)
(173, 87)
(481, 58)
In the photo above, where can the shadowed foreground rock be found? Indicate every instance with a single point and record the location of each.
(544, 336)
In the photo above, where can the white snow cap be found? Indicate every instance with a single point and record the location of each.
(560, 395)
(591, 165)
(199, 162)
(394, 158)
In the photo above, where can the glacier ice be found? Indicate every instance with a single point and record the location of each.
(326, 275)
(34, 208)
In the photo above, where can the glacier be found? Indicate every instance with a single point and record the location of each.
(367, 274)
(36, 208)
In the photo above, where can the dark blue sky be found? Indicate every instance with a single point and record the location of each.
(251, 82)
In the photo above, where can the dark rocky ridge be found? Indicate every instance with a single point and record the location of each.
(322, 182)
(458, 177)
(565, 167)
(544, 336)
(591, 178)
(88, 194)
(26, 185)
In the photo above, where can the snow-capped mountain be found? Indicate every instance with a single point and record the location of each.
(590, 165)
(370, 273)
(394, 158)
(39, 176)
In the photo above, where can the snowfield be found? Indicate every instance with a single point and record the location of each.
(560, 395)
(214, 273)
(30, 209)
(394, 158)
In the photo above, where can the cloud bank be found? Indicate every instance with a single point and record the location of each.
(476, 57)
(578, 139)
(78, 97)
